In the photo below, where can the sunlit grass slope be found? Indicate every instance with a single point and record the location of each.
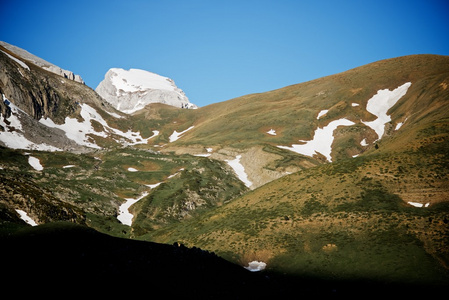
(352, 218)
(292, 111)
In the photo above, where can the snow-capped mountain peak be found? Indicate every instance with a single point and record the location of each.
(131, 90)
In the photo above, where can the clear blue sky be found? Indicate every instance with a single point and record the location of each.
(218, 50)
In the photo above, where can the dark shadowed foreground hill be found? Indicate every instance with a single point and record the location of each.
(64, 259)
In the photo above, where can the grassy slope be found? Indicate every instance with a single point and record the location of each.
(96, 184)
(343, 220)
(339, 220)
(348, 219)
(292, 110)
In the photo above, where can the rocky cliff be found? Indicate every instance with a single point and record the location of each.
(32, 97)
(41, 63)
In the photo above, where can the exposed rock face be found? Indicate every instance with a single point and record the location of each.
(64, 73)
(42, 63)
(130, 91)
(29, 95)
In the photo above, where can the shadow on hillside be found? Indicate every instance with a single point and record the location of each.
(63, 259)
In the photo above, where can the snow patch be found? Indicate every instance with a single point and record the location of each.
(176, 135)
(114, 114)
(272, 132)
(379, 105)
(364, 143)
(209, 153)
(417, 204)
(173, 175)
(153, 186)
(155, 134)
(24, 216)
(202, 154)
(239, 169)
(322, 113)
(21, 63)
(321, 142)
(399, 125)
(132, 169)
(13, 137)
(124, 216)
(68, 166)
(256, 266)
(35, 163)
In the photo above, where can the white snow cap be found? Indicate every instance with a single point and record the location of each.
(131, 90)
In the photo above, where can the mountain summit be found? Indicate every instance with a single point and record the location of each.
(130, 90)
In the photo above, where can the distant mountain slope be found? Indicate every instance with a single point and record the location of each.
(262, 127)
(292, 112)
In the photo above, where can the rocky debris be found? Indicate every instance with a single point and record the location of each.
(21, 193)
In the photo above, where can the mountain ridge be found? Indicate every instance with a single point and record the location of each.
(41, 62)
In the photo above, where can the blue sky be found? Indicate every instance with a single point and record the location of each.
(219, 50)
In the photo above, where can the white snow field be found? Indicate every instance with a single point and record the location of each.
(24, 216)
(239, 169)
(379, 105)
(124, 216)
(80, 131)
(256, 266)
(136, 80)
(153, 186)
(417, 204)
(322, 113)
(13, 138)
(21, 63)
(321, 142)
(35, 163)
(399, 125)
(176, 135)
(271, 132)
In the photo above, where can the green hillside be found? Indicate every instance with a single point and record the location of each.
(340, 220)
(347, 219)
(375, 210)
(292, 111)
